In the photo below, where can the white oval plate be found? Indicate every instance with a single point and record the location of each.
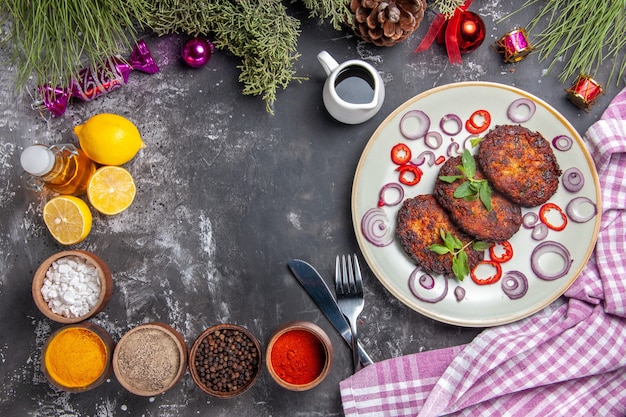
(483, 305)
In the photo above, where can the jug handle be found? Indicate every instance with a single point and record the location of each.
(328, 62)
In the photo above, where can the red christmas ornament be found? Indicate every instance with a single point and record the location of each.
(471, 33)
(197, 52)
(462, 33)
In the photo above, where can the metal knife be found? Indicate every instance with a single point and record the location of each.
(317, 289)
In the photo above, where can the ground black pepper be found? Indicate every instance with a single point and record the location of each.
(226, 361)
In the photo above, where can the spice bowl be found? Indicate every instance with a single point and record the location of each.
(72, 286)
(225, 360)
(77, 357)
(299, 355)
(150, 359)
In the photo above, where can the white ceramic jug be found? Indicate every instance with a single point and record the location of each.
(353, 91)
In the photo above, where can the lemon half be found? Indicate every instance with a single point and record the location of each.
(68, 219)
(111, 190)
(109, 139)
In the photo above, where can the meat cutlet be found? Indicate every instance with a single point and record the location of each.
(419, 225)
(495, 225)
(520, 164)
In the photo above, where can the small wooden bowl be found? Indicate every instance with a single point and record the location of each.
(69, 364)
(207, 378)
(104, 275)
(150, 359)
(319, 344)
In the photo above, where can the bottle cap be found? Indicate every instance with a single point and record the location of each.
(37, 160)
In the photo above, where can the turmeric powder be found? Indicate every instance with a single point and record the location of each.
(75, 357)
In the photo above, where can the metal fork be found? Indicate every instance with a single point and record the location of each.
(349, 290)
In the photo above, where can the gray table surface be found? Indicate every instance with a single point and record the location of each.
(227, 194)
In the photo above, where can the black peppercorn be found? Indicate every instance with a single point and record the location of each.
(222, 357)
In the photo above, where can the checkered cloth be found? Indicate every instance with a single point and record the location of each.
(567, 360)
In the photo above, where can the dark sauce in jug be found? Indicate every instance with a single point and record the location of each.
(355, 85)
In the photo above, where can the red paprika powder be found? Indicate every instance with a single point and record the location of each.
(298, 357)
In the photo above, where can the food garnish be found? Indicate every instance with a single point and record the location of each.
(546, 217)
(473, 188)
(490, 279)
(501, 251)
(400, 154)
(455, 247)
(409, 174)
(474, 126)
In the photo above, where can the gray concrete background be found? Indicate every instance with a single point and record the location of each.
(227, 194)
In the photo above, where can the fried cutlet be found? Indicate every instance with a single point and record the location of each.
(420, 221)
(520, 164)
(495, 225)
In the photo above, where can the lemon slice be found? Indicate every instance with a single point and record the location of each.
(109, 139)
(68, 219)
(111, 190)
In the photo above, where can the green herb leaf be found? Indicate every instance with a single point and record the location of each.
(485, 195)
(455, 247)
(460, 265)
(475, 141)
(464, 190)
(469, 165)
(439, 249)
(472, 188)
(480, 245)
(450, 178)
(453, 242)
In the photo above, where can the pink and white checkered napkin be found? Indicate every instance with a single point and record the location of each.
(567, 360)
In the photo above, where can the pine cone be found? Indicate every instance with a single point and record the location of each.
(386, 22)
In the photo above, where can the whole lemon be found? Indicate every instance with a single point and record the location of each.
(109, 139)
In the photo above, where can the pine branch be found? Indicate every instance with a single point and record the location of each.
(337, 11)
(55, 39)
(258, 31)
(583, 33)
(446, 7)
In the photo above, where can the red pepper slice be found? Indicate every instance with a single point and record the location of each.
(543, 216)
(409, 174)
(501, 252)
(440, 160)
(490, 279)
(400, 154)
(472, 127)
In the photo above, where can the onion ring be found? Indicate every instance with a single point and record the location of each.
(427, 288)
(540, 231)
(562, 143)
(550, 247)
(459, 293)
(514, 116)
(529, 220)
(453, 150)
(422, 128)
(422, 157)
(451, 118)
(435, 135)
(382, 193)
(514, 284)
(375, 227)
(467, 143)
(573, 180)
(574, 212)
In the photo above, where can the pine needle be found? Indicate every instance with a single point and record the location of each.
(584, 33)
(55, 39)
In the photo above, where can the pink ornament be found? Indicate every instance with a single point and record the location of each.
(197, 52)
